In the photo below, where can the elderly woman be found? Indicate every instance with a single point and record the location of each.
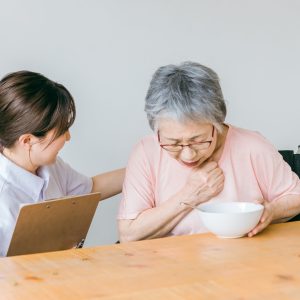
(195, 157)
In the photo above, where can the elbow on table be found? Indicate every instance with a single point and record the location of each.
(126, 233)
(127, 239)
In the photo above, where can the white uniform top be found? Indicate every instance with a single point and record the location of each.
(18, 186)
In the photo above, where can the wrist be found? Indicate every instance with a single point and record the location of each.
(277, 210)
(193, 200)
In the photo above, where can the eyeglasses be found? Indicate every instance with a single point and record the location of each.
(197, 146)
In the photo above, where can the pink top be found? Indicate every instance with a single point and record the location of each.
(253, 170)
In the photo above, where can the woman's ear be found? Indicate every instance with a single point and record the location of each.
(27, 140)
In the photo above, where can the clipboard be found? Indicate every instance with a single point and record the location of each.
(53, 225)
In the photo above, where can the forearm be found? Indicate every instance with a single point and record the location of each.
(109, 184)
(286, 207)
(155, 222)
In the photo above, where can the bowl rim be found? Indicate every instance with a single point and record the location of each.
(257, 207)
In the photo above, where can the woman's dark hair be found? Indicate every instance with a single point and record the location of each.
(32, 103)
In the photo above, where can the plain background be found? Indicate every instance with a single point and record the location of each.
(105, 53)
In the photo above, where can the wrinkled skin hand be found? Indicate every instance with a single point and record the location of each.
(203, 184)
(266, 218)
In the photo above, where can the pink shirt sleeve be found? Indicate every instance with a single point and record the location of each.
(274, 175)
(138, 193)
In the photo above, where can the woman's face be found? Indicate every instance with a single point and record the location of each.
(172, 132)
(44, 151)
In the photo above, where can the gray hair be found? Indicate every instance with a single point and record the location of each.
(189, 91)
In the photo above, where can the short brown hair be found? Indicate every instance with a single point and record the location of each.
(32, 103)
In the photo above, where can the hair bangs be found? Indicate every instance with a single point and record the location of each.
(64, 114)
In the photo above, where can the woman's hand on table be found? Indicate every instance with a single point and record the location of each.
(266, 218)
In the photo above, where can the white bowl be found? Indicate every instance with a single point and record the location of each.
(230, 219)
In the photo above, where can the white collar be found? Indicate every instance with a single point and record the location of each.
(30, 184)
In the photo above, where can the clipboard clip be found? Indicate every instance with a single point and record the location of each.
(80, 244)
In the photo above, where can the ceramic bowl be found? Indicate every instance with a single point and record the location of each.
(230, 219)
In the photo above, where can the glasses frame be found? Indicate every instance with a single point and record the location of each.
(187, 145)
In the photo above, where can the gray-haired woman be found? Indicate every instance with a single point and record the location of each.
(195, 157)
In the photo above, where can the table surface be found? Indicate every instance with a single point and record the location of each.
(203, 266)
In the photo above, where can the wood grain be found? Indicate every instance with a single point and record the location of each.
(188, 267)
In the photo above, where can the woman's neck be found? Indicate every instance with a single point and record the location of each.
(20, 160)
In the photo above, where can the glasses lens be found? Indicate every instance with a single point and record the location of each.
(196, 147)
(200, 146)
(172, 148)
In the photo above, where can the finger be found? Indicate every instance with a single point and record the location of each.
(220, 177)
(215, 172)
(262, 222)
(216, 180)
(217, 187)
(261, 226)
(215, 177)
(209, 166)
(264, 216)
(257, 229)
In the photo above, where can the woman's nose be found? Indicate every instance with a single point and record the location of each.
(187, 154)
(67, 136)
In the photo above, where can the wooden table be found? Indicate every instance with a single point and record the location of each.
(187, 267)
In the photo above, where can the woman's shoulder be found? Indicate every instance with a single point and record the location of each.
(149, 141)
(146, 151)
(244, 133)
(248, 140)
(148, 144)
(58, 169)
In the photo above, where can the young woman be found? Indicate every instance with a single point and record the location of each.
(35, 116)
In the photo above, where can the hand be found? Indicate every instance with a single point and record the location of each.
(266, 218)
(203, 184)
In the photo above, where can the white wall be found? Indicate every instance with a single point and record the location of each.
(105, 52)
